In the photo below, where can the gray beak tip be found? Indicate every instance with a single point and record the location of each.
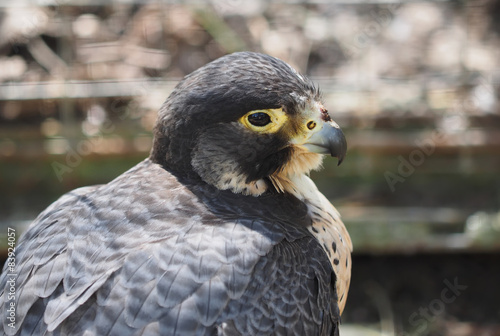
(330, 140)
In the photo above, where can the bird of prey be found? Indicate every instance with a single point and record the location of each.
(219, 232)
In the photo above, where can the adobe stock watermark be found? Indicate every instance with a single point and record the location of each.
(10, 289)
(74, 156)
(227, 5)
(458, 114)
(416, 158)
(31, 20)
(421, 318)
(121, 106)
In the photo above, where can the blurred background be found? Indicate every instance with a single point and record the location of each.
(414, 85)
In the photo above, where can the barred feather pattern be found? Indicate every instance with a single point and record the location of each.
(148, 255)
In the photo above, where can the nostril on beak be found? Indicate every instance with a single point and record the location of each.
(311, 125)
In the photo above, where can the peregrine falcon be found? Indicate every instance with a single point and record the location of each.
(219, 232)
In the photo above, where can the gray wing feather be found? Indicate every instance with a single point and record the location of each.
(49, 276)
(141, 256)
(39, 255)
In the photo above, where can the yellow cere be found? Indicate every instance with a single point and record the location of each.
(277, 118)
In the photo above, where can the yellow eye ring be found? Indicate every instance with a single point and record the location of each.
(264, 121)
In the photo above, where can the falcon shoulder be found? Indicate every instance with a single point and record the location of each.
(148, 255)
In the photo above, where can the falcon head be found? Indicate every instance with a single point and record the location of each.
(247, 122)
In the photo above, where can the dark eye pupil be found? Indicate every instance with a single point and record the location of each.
(259, 119)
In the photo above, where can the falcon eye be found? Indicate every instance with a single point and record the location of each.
(259, 119)
(265, 120)
(311, 125)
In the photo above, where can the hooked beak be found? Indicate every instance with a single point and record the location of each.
(329, 140)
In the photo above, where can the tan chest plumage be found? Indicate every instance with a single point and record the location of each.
(331, 233)
(327, 226)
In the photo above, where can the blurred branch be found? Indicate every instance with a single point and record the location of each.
(81, 89)
(46, 57)
(22, 3)
(220, 31)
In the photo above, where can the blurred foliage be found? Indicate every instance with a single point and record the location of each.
(414, 85)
